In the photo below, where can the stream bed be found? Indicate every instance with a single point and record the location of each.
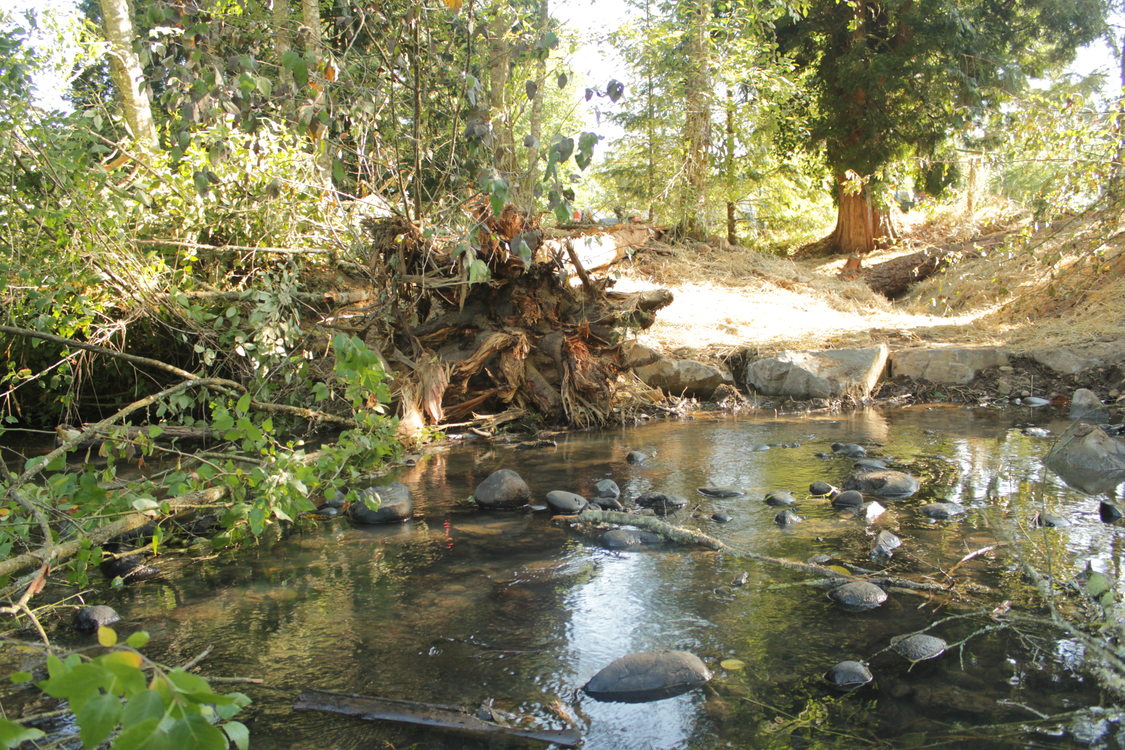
(463, 607)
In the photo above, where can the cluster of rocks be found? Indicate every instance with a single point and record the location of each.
(808, 375)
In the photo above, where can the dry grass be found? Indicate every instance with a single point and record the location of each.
(1063, 285)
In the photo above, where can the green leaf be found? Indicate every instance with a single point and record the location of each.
(338, 170)
(202, 183)
(137, 639)
(478, 271)
(238, 734)
(97, 719)
(155, 431)
(18, 677)
(243, 405)
(194, 731)
(13, 734)
(563, 148)
(145, 735)
(141, 707)
(78, 684)
(186, 682)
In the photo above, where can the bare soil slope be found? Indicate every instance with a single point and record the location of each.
(1061, 285)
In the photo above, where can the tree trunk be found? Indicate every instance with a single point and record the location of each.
(525, 195)
(697, 121)
(499, 67)
(281, 42)
(729, 170)
(125, 68)
(860, 225)
(310, 19)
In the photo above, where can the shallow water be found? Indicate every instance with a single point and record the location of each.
(461, 607)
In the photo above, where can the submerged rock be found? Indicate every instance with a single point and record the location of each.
(1085, 404)
(851, 450)
(393, 505)
(857, 596)
(943, 511)
(847, 499)
(918, 647)
(607, 495)
(503, 489)
(1108, 512)
(662, 503)
(849, 675)
(780, 498)
(721, 517)
(721, 492)
(630, 539)
(636, 457)
(885, 545)
(1050, 520)
(648, 676)
(561, 501)
(787, 517)
(887, 484)
(1088, 459)
(89, 619)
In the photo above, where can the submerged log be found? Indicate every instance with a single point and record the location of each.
(450, 718)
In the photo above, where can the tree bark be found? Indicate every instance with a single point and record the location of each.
(525, 194)
(281, 42)
(127, 74)
(861, 226)
(697, 122)
(499, 66)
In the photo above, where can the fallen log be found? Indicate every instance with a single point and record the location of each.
(686, 536)
(450, 718)
(894, 277)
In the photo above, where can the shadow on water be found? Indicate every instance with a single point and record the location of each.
(461, 607)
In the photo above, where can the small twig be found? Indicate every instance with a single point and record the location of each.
(198, 658)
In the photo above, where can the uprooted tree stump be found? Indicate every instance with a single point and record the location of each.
(525, 341)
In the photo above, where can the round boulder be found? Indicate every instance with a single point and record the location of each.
(566, 503)
(887, 484)
(648, 676)
(847, 499)
(391, 504)
(849, 675)
(822, 489)
(607, 495)
(636, 457)
(503, 489)
(857, 596)
(780, 498)
(89, 619)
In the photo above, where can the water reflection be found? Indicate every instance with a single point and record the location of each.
(461, 607)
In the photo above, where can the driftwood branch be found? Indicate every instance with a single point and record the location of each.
(685, 536)
(449, 718)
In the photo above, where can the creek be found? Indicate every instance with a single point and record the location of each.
(463, 607)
